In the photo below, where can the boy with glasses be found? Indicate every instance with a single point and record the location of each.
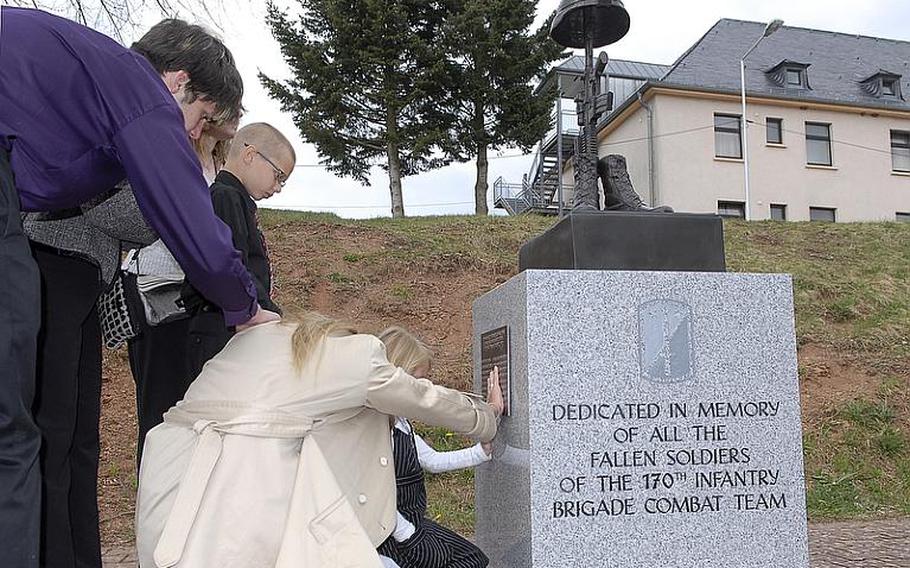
(258, 165)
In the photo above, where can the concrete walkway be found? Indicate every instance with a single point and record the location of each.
(860, 544)
(854, 544)
(118, 558)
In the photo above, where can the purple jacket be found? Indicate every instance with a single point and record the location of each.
(79, 113)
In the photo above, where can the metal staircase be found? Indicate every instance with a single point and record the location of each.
(539, 190)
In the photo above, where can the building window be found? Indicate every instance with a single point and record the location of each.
(900, 151)
(818, 144)
(790, 74)
(794, 77)
(825, 214)
(778, 212)
(728, 136)
(902, 217)
(883, 85)
(775, 130)
(731, 209)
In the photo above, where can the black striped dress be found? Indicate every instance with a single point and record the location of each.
(432, 545)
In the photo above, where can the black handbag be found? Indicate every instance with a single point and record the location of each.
(120, 311)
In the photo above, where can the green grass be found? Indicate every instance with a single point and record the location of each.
(460, 240)
(857, 457)
(401, 291)
(271, 218)
(339, 278)
(450, 496)
(851, 281)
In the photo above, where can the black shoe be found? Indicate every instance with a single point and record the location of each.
(619, 195)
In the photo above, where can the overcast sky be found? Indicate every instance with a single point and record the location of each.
(661, 31)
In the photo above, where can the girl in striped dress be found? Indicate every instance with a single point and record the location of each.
(417, 541)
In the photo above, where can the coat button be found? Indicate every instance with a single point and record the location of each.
(361, 498)
(383, 461)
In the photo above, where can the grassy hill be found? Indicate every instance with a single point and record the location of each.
(852, 297)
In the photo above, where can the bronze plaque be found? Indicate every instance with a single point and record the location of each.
(494, 352)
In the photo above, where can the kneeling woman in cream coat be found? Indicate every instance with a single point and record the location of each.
(279, 455)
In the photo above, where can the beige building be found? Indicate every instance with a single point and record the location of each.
(828, 135)
(694, 166)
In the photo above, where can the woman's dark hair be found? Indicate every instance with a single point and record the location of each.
(174, 45)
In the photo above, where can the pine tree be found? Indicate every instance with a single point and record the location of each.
(370, 82)
(497, 57)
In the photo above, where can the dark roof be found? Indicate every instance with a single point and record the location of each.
(617, 68)
(838, 63)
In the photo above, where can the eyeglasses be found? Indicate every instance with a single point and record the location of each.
(280, 176)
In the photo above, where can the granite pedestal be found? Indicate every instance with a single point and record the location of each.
(655, 422)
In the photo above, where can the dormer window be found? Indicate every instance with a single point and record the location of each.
(884, 84)
(789, 74)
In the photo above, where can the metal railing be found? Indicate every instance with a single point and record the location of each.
(569, 126)
(522, 198)
(529, 195)
(511, 196)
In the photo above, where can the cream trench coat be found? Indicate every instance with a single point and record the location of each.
(260, 466)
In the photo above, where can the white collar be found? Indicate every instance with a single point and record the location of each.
(403, 424)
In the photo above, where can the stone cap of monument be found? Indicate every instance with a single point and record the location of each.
(608, 240)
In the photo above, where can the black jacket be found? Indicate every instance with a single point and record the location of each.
(236, 208)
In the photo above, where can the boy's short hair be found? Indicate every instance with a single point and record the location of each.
(266, 138)
(174, 45)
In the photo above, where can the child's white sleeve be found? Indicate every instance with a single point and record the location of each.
(404, 529)
(438, 462)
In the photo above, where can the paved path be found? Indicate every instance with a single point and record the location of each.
(118, 557)
(854, 544)
(860, 544)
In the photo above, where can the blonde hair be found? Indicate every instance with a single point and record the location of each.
(219, 153)
(404, 350)
(312, 330)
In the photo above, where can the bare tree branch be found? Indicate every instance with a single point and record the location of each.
(112, 16)
(80, 11)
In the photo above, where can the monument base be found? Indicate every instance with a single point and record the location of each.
(613, 240)
(655, 422)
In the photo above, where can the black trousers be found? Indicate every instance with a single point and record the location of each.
(208, 335)
(20, 483)
(166, 358)
(158, 361)
(67, 409)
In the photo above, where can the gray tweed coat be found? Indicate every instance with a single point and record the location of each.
(97, 231)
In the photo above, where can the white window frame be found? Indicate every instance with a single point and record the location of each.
(905, 146)
(830, 141)
(728, 130)
(780, 130)
(781, 207)
(833, 211)
(739, 205)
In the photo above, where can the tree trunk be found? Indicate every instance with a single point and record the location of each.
(394, 157)
(395, 181)
(480, 185)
